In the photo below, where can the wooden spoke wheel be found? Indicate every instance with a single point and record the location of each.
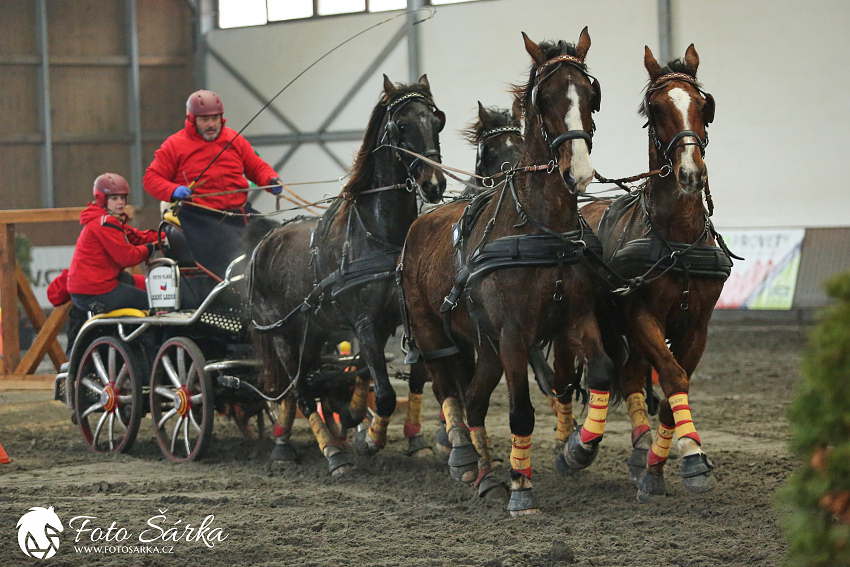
(108, 394)
(182, 402)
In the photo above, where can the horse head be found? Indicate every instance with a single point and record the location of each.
(413, 123)
(498, 137)
(558, 102)
(678, 113)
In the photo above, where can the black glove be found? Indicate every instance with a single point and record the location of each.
(151, 248)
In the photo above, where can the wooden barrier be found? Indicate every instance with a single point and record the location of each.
(17, 373)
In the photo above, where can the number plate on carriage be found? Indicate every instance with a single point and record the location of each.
(164, 288)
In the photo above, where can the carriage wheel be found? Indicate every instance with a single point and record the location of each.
(182, 402)
(109, 385)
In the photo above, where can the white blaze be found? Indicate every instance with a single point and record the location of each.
(581, 168)
(682, 100)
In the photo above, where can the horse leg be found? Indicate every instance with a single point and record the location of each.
(696, 467)
(566, 373)
(514, 357)
(372, 341)
(584, 340)
(467, 365)
(632, 381)
(488, 372)
(417, 446)
(283, 448)
(339, 462)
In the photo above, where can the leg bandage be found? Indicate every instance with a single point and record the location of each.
(637, 416)
(482, 445)
(682, 417)
(453, 413)
(660, 446)
(594, 424)
(358, 398)
(320, 430)
(378, 430)
(413, 423)
(521, 454)
(566, 421)
(283, 425)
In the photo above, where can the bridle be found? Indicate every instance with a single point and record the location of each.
(555, 64)
(676, 142)
(391, 133)
(488, 135)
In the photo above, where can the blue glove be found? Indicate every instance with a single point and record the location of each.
(276, 190)
(181, 193)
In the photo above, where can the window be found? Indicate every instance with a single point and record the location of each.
(241, 13)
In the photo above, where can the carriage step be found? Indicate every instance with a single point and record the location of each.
(233, 365)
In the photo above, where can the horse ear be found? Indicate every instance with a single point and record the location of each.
(583, 44)
(389, 87)
(652, 66)
(708, 109)
(534, 50)
(482, 113)
(692, 59)
(423, 80)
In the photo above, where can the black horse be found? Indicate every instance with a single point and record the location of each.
(313, 277)
(497, 137)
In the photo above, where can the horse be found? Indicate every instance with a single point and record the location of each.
(497, 137)
(661, 238)
(522, 280)
(314, 276)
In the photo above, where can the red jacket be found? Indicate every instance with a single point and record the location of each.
(184, 155)
(105, 247)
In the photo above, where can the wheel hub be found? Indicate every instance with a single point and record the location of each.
(109, 397)
(183, 401)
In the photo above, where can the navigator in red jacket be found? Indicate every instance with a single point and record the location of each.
(106, 246)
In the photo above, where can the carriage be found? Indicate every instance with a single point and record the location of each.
(181, 365)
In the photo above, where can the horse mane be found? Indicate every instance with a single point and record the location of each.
(675, 66)
(522, 93)
(497, 118)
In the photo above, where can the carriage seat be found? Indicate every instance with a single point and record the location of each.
(178, 248)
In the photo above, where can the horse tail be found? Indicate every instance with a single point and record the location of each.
(273, 377)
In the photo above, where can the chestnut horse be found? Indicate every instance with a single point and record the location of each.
(313, 277)
(521, 282)
(661, 237)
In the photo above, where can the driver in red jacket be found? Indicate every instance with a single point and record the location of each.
(208, 157)
(107, 245)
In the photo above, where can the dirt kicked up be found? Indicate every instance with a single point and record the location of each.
(233, 508)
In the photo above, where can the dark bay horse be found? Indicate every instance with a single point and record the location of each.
(313, 277)
(497, 138)
(663, 234)
(522, 283)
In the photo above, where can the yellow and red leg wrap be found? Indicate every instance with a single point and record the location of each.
(566, 421)
(283, 425)
(594, 424)
(660, 446)
(637, 415)
(453, 414)
(485, 457)
(682, 417)
(378, 430)
(521, 454)
(320, 430)
(413, 423)
(359, 396)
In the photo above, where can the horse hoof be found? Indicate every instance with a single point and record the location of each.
(637, 463)
(522, 503)
(441, 440)
(650, 485)
(575, 455)
(284, 452)
(492, 488)
(464, 474)
(695, 473)
(563, 468)
(463, 455)
(363, 443)
(339, 464)
(417, 446)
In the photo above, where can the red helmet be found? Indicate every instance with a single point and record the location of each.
(109, 184)
(203, 103)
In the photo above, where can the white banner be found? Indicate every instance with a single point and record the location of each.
(766, 279)
(47, 263)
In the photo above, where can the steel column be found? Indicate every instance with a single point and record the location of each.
(665, 31)
(134, 110)
(47, 196)
(414, 60)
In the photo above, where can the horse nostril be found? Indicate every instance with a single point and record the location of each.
(568, 178)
